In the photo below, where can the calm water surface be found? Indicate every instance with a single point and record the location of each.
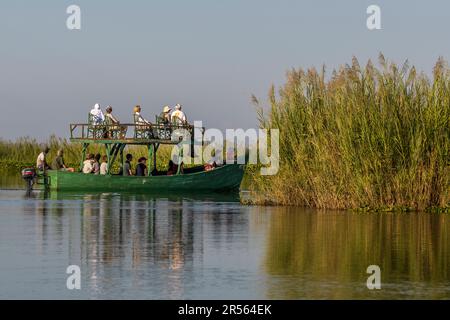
(194, 247)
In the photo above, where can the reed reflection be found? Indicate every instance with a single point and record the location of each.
(326, 254)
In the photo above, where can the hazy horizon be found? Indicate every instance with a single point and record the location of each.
(209, 56)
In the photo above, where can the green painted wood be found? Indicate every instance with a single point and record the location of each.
(228, 177)
(83, 155)
(151, 151)
(130, 141)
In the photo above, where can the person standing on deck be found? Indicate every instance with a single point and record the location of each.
(178, 115)
(127, 166)
(41, 161)
(97, 114)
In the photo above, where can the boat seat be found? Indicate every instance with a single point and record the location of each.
(164, 131)
(142, 131)
(114, 131)
(95, 130)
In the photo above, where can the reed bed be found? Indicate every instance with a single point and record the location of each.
(372, 138)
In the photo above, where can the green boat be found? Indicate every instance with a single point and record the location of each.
(223, 178)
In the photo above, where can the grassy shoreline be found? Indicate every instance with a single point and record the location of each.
(368, 139)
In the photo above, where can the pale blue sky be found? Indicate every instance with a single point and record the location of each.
(208, 55)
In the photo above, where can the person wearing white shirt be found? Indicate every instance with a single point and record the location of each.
(97, 114)
(138, 118)
(178, 115)
(41, 161)
(88, 165)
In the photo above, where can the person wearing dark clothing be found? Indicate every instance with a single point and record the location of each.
(141, 168)
(58, 162)
(127, 166)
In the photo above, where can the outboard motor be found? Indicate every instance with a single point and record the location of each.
(29, 174)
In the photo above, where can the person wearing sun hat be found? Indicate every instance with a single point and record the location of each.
(179, 115)
(165, 115)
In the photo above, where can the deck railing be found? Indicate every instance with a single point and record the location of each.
(144, 132)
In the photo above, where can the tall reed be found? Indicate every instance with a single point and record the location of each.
(369, 137)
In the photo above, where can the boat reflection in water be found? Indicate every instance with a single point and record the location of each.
(211, 247)
(149, 241)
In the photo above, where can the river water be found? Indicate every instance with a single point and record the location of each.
(211, 247)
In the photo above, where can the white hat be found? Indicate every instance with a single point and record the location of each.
(178, 106)
(167, 109)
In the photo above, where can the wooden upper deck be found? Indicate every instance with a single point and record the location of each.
(137, 134)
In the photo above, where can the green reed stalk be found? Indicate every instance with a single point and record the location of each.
(373, 138)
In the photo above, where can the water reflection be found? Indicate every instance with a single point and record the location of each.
(325, 254)
(124, 236)
(192, 246)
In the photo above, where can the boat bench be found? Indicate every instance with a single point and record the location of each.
(114, 131)
(143, 131)
(95, 130)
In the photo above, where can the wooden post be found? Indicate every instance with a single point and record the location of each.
(121, 155)
(180, 157)
(150, 148)
(108, 155)
(156, 146)
(83, 155)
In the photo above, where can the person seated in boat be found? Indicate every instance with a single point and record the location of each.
(88, 164)
(104, 166)
(114, 123)
(141, 168)
(211, 163)
(96, 164)
(41, 161)
(58, 162)
(172, 169)
(138, 118)
(178, 116)
(97, 115)
(127, 166)
(165, 115)
(143, 127)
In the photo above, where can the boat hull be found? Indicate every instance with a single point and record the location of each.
(225, 178)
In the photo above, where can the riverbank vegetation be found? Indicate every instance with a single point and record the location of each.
(368, 138)
(15, 155)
